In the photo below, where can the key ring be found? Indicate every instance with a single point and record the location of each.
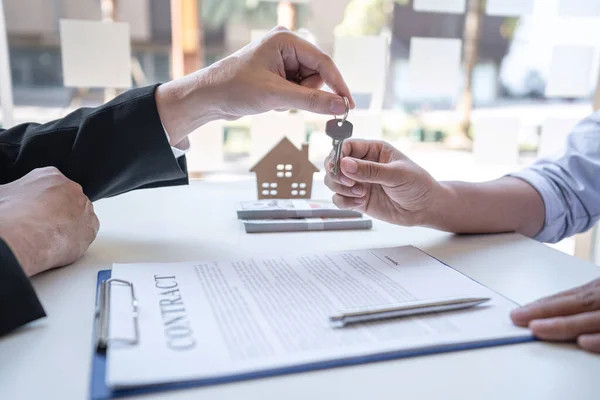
(347, 111)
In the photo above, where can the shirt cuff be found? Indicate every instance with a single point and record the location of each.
(551, 231)
(182, 147)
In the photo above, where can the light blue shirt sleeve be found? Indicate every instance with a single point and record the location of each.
(569, 183)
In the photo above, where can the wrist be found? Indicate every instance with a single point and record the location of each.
(187, 103)
(438, 214)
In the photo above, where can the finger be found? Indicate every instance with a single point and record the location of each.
(349, 203)
(312, 82)
(566, 328)
(311, 57)
(370, 171)
(357, 190)
(585, 300)
(338, 178)
(313, 100)
(589, 342)
(370, 150)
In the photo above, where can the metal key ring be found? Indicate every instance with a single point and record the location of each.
(345, 117)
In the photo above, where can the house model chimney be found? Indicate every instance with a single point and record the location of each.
(304, 150)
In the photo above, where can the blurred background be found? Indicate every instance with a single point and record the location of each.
(470, 89)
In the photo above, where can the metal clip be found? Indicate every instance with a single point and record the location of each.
(102, 315)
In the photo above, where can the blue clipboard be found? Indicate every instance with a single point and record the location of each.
(100, 391)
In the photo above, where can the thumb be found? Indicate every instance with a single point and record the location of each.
(370, 172)
(313, 100)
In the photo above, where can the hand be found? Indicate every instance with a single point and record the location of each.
(281, 71)
(379, 180)
(46, 220)
(570, 315)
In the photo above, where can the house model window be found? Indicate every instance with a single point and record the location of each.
(298, 189)
(269, 189)
(285, 172)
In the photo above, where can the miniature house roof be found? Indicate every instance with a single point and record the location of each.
(285, 149)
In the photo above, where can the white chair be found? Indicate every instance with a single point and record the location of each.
(509, 7)
(571, 71)
(269, 128)
(363, 62)
(440, 6)
(496, 140)
(95, 54)
(434, 68)
(206, 152)
(554, 134)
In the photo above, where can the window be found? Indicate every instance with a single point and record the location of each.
(280, 174)
(294, 193)
(288, 167)
(303, 193)
(266, 191)
(294, 185)
(266, 186)
(280, 167)
(303, 186)
(288, 174)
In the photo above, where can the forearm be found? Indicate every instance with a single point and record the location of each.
(108, 150)
(504, 205)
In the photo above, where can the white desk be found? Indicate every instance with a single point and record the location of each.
(50, 359)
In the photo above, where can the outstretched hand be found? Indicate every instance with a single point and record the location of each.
(377, 179)
(281, 71)
(573, 315)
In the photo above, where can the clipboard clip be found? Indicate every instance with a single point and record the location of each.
(102, 315)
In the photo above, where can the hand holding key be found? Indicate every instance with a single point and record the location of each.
(377, 179)
(339, 130)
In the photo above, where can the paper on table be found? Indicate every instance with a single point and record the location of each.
(203, 320)
(440, 6)
(509, 7)
(95, 54)
(434, 69)
(571, 71)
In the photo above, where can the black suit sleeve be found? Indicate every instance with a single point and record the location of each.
(18, 301)
(109, 150)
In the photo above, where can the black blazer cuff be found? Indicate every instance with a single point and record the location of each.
(18, 302)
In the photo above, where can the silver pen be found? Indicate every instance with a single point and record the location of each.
(409, 308)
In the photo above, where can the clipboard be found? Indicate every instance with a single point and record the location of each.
(100, 391)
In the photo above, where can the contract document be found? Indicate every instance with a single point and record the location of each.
(220, 321)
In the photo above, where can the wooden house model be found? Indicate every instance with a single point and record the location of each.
(285, 172)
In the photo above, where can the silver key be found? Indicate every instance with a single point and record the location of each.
(339, 130)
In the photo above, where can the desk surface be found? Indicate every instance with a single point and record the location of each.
(51, 358)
